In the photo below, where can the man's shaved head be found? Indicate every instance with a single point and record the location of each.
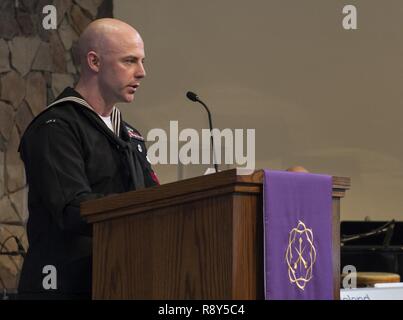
(111, 57)
(104, 35)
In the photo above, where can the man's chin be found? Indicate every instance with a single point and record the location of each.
(128, 98)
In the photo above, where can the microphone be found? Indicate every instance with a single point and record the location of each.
(195, 98)
(192, 96)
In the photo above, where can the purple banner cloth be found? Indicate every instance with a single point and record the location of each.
(297, 236)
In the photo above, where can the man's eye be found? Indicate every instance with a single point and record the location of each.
(129, 61)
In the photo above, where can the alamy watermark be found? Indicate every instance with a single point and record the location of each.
(349, 20)
(238, 146)
(49, 22)
(49, 281)
(350, 277)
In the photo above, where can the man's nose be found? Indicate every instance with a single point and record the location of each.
(140, 72)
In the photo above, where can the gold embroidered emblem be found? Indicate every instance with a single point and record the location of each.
(300, 255)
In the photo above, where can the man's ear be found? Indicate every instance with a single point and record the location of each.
(93, 61)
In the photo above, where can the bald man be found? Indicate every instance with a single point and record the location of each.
(77, 149)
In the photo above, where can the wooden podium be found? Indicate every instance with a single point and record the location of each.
(200, 238)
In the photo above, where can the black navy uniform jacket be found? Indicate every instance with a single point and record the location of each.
(70, 156)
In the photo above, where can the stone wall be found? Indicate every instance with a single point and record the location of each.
(35, 66)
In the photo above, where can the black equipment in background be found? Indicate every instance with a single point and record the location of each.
(372, 246)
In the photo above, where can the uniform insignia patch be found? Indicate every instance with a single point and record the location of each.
(139, 148)
(133, 134)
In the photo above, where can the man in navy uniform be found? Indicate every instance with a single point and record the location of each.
(77, 149)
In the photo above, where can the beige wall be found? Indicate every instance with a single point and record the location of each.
(317, 95)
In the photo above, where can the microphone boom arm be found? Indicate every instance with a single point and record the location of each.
(193, 97)
(211, 133)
